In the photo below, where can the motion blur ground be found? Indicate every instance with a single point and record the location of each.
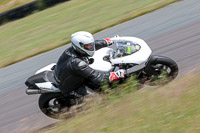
(173, 108)
(176, 24)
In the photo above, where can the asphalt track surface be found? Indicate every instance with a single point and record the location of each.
(172, 31)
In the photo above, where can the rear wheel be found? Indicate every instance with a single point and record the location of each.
(52, 104)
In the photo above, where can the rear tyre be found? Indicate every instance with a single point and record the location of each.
(51, 104)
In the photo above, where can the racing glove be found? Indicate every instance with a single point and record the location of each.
(116, 75)
(91, 60)
(109, 42)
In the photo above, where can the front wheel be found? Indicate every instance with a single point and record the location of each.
(161, 70)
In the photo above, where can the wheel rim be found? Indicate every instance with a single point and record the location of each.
(54, 107)
(163, 74)
(58, 109)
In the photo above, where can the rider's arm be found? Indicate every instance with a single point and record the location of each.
(102, 43)
(81, 68)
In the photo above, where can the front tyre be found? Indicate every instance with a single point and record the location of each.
(161, 70)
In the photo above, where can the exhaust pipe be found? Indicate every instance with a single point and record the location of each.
(37, 91)
(32, 91)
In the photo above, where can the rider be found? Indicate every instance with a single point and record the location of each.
(73, 70)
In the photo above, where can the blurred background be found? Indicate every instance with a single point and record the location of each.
(34, 33)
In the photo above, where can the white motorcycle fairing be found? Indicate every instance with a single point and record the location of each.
(46, 68)
(139, 58)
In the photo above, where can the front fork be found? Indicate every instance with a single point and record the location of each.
(144, 74)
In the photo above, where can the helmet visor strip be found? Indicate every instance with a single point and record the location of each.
(89, 47)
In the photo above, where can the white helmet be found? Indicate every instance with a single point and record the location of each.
(83, 42)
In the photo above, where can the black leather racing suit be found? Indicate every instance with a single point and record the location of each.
(72, 70)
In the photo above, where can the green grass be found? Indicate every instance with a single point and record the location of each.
(2, 2)
(6, 5)
(173, 108)
(52, 27)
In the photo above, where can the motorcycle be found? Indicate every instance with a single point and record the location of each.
(129, 53)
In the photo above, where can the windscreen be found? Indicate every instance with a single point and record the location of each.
(127, 47)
